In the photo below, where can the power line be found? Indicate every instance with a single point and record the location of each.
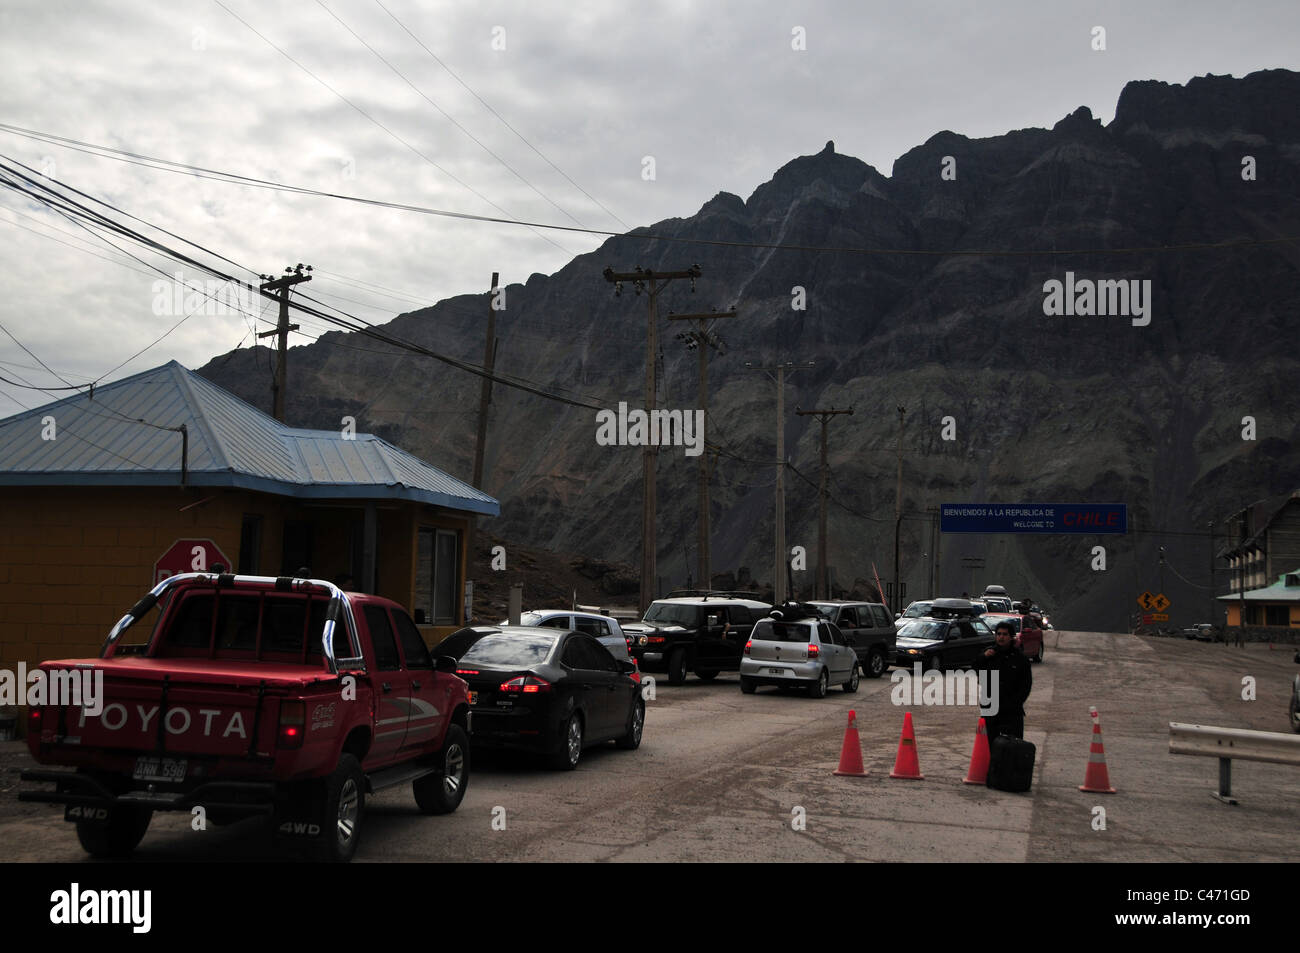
(376, 122)
(446, 114)
(489, 108)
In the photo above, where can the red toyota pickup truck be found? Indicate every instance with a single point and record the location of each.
(252, 695)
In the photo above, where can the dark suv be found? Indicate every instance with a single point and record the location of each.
(867, 628)
(704, 634)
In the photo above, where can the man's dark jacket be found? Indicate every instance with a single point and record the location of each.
(1015, 679)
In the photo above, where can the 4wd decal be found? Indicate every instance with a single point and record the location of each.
(322, 716)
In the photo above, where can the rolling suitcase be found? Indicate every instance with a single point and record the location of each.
(1011, 764)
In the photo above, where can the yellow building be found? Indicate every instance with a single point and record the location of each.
(103, 494)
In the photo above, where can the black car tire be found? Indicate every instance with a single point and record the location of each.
(345, 805)
(442, 791)
(851, 685)
(568, 755)
(875, 665)
(632, 740)
(934, 663)
(118, 836)
(823, 685)
(748, 685)
(677, 667)
(707, 674)
(1295, 712)
(1039, 656)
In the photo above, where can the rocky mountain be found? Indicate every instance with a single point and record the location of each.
(901, 311)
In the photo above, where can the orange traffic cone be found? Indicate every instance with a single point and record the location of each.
(906, 764)
(978, 772)
(1097, 779)
(851, 752)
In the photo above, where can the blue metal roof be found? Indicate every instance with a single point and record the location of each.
(126, 434)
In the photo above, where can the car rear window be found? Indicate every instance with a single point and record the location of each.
(510, 650)
(767, 630)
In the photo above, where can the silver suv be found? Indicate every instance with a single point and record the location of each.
(807, 652)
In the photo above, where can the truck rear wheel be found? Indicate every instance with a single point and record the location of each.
(345, 803)
(442, 791)
(117, 836)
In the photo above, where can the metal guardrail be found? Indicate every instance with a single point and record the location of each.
(1228, 743)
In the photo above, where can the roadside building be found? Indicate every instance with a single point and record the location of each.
(1263, 541)
(103, 494)
(1275, 606)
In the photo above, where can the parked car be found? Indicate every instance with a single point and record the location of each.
(794, 649)
(1203, 632)
(550, 692)
(280, 697)
(943, 643)
(866, 628)
(703, 634)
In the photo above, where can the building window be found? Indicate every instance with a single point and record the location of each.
(250, 545)
(437, 570)
(1277, 615)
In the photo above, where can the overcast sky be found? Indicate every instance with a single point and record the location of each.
(716, 93)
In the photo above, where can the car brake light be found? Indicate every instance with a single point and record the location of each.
(466, 671)
(525, 684)
(748, 645)
(814, 650)
(293, 722)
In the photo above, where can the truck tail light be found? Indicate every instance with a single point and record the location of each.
(748, 645)
(525, 685)
(814, 650)
(656, 640)
(293, 724)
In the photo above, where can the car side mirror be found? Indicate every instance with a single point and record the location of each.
(445, 663)
(626, 666)
(898, 615)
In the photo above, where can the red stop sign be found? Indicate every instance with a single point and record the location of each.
(189, 555)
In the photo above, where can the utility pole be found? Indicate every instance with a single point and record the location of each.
(936, 537)
(292, 276)
(823, 587)
(654, 282)
(701, 338)
(485, 389)
(898, 512)
(782, 562)
(1214, 601)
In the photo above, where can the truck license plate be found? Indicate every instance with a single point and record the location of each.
(159, 769)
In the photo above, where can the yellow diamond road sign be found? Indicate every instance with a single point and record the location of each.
(1147, 600)
(1161, 603)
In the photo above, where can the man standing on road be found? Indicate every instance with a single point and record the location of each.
(1011, 687)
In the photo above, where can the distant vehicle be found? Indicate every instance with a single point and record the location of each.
(915, 610)
(551, 692)
(943, 643)
(867, 629)
(1202, 632)
(703, 634)
(997, 603)
(1029, 634)
(602, 628)
(807, 652)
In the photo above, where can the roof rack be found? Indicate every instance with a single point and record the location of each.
(706, 593)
